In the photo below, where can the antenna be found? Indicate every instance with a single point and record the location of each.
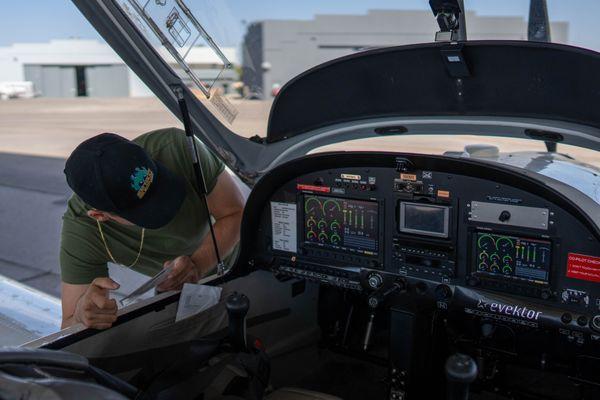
(538, 30)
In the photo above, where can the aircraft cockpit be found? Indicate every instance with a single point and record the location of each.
(418, 258)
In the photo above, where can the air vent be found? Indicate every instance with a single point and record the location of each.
(391, 130)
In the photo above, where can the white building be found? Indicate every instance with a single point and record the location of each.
(278, 50)
(76, 67)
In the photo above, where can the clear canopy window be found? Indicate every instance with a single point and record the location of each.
(237, 55)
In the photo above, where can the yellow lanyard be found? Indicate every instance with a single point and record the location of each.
(110, 254)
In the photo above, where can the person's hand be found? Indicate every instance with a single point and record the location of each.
(183, 270)
(94, 309)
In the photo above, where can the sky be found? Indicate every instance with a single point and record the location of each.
(43, 20)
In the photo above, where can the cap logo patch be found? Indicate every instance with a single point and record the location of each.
(141, 180)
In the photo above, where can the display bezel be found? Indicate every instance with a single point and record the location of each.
(402, 220)
(380, 226)
(473, 234)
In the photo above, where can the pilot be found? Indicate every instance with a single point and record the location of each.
(136, 204)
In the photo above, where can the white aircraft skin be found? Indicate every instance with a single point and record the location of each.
(583, 177)
(26, 313)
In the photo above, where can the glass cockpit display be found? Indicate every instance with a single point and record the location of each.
(342, 224)
(513, 257)
(424, 219)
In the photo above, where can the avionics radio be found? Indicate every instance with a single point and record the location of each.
(424, 244)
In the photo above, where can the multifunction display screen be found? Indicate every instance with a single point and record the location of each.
(424, 219)
(513, 257)
(342, 224)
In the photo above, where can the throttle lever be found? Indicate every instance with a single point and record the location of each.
(375, 300)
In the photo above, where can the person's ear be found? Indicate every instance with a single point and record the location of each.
(100, 216)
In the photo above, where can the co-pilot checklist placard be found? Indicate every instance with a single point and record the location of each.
(283, 224)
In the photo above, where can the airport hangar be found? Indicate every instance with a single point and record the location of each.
(88, 68)
(277, 50)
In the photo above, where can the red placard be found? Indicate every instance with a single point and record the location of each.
(580, 266)
(313, 188)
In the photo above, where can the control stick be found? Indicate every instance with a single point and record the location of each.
(461, 371)
(237, 305)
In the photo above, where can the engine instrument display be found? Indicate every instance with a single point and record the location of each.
(342, 224)
(513, 257)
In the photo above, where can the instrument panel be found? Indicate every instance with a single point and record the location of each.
(464, 235)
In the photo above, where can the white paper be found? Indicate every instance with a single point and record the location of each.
(153, 282)
(283, 223)
(196, 298)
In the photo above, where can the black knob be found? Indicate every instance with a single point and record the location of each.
(443, 292)
(461, 370)
(237, 305)
(596, 323)
(546, 294)
(401, 284)
(504, 216)
(566, 318)
(421, 288)
(473, 281)
(487, 330)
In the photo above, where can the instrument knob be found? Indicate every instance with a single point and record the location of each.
(473, 281)
(375, 281)
(504, 216)
(443, 292)
(596, 323)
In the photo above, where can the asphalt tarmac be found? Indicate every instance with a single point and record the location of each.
(33, 196)
(54, 127)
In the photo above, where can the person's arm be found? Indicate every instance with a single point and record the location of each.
(89, 304)
(84, 275)
(226, 205)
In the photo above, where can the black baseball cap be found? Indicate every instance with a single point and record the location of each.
(113, 174)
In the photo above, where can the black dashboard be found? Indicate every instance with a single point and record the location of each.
(470, 236)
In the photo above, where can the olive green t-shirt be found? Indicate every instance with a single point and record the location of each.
(83, 256)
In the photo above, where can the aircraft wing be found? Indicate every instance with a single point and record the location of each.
(26, 314)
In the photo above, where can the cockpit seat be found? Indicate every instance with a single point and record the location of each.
(299, 394)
